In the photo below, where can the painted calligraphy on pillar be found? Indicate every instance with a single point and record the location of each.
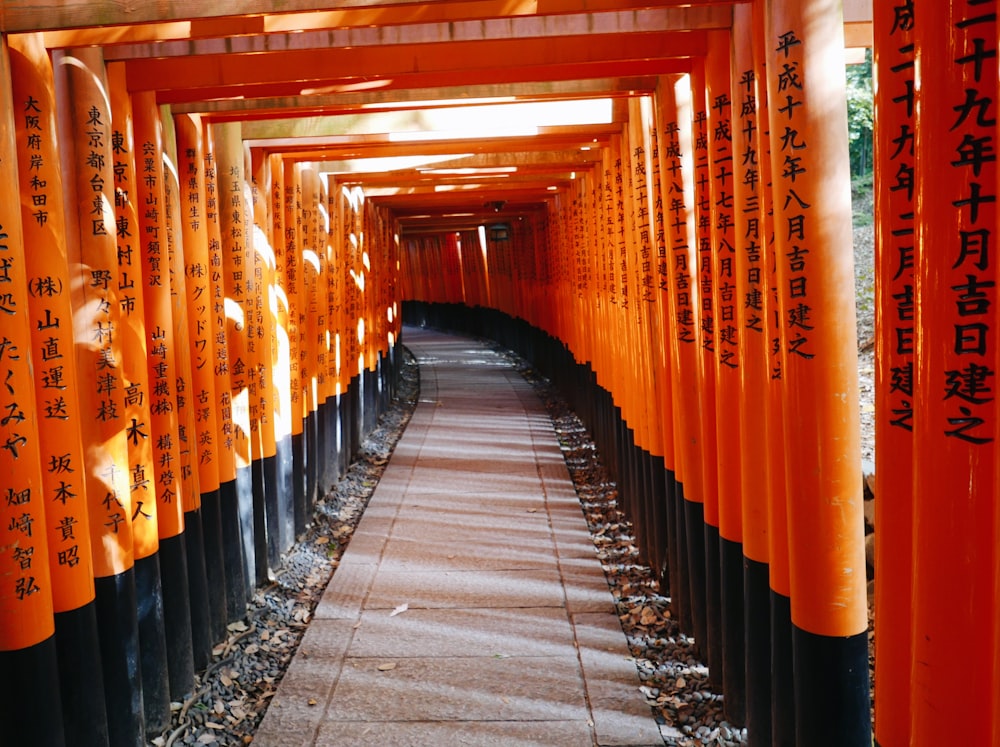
(791, 194)
(640, 184)
(723, 231)
(49, 305)
(900, 77)
(703, 221)
(968, 383)
(677, 227)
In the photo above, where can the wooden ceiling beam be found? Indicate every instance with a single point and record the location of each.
(342, 147)
(386, 86)
(310, 69)
(491, 29)
(138, 20)
(296, 107)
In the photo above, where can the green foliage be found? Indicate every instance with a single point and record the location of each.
(860, 115)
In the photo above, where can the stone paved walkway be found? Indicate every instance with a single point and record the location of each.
(469, 608)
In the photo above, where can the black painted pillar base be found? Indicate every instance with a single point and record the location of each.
(712, 650)
(734, 663)
(177, 616)
(200, 599)
(118, 632)
(681, 581)
(694, 519)
(245, 500)
(81, 680)
(285, 492)
(258, 521)
(272, 529)
(232, 552)
(757, 613)
(311, 453)
(30, 713)
(215, 565)
(152, 644)
(831, 689)
(299, 482)
(782, 676)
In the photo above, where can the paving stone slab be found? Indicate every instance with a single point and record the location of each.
(460, 689)
(346, 592)
(467, 589)
(457, 633)
(413, 553)
(456, 734)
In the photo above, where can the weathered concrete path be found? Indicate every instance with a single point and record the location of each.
(469, 608)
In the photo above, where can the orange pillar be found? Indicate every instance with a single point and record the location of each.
(955, 416)
(161, 360)
(812, 223)
(310, 263)
(27, 628)
(239, 292)
(144, 467)
(751, 322)
(197, 297)
(292, 283)
(895, 259)
(677, 172)
(59, 420)
(782, 694)
(703, 529)
(224, 153)
(84, 125)
(280, 360)
(187, 404)
(229, 496)
(262, 255)
(728, 400)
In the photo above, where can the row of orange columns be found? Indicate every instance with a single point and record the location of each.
(698, 278)
(189, 326)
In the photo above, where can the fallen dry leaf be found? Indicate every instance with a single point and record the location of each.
(386, 667)
(401, 608)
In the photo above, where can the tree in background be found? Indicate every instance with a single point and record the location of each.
(860, 115)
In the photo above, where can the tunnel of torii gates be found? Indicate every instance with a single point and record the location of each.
(206, 260)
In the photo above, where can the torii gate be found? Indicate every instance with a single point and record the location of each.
(202, 298)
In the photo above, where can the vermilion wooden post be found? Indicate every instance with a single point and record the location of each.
(782, 694)
(704, 540)
(651, 238)
(677, 172)
(262, 253)
(895, 259)
(661, 264)
(152, 241)
(29, 711)
(341, 327)
(202, 397)
(812, 223)
(144, 470)
(308, 330)
(239, 289)
(84, 125)
(256, 384)
(187, 404)
(292, 280)
(229, 505)
(954, 386)
(81, 683)
(728, 400)
(751, 289)
(280, 349)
